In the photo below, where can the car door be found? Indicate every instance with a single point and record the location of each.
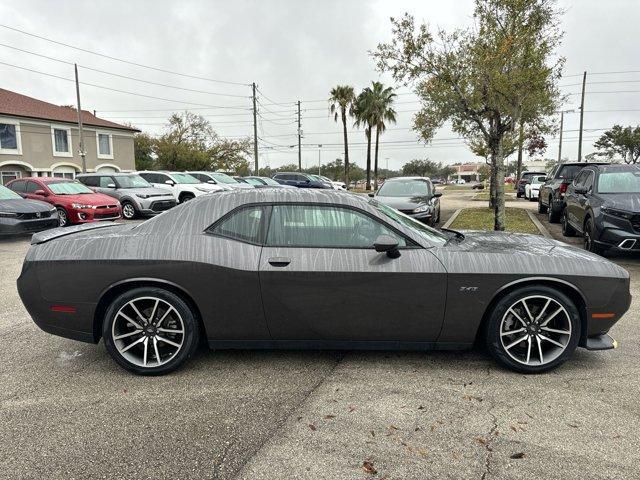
(583, 199)
(571, 200)
(322, 280)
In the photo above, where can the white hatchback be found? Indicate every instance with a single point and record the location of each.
(532, 189)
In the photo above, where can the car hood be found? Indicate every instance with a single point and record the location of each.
(88, 199)
(22, 205)
(403, 203)
(629, 202)
(240, 186)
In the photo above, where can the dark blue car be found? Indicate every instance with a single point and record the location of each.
(300, 180)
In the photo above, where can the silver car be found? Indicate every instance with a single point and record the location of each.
(137, 196)
(221, 179)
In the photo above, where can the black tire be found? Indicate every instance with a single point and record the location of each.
(518, 194)
(541, 207)
(553, 214)
(567, 229)
(588, 241)
(129, 211)
(493, 329)
(185, 197)
(190, 336)
(63, 218)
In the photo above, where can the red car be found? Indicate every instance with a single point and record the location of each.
(75, 202)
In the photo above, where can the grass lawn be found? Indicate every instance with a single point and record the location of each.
(517, 220)
(484, 195)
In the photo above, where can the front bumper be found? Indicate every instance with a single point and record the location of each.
(16, 226)
(424, 217)
(617, 238)
(155, 205)
(87, 215)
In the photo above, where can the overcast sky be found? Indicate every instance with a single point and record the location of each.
(293, 50)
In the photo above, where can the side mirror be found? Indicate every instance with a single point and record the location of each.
(580, 190)
(42, 193)
(170, 182)
(371, 194)
(437, 195)
(307, 181)
(388, 244)
(111, 185)
(213, 182)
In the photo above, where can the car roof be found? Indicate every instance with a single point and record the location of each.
(111, 174)
(615, 166)
(407, 178)
(585, 164)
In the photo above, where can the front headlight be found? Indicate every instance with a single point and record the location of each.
(81, 206)
(142, 195)
(53, 209)
(8, 215)
(422, 208)
(617, 213)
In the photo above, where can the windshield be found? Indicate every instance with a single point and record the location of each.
(404, 188)
(184, 178)
(428, 233)
(132, 181)
(619, 182)
(68, 188)
(223, 178)
(269, 181)
(538, 179)
(6, 194)
(569, 172)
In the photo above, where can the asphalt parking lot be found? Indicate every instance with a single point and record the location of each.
(69, 412)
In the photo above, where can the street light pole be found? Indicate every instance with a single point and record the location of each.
(319, 149)
(560, 143)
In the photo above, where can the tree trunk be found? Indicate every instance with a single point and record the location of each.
(499, 214)
(520, 145)
(375, 160)
(346, 149)
(492, 185)
(368, 133)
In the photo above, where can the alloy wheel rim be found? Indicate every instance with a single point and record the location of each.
(62, 218)
(128, 210)
(535, 330)
(148, 332)
(587, 237)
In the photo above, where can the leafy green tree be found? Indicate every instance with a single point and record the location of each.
(622, 141)
(341, 102)
(485, 80)
(143, 145)
(420, 168)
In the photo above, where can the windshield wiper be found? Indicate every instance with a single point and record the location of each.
(458, 234)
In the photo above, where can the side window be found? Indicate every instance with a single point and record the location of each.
(90, 181)
(32, 187)
(579, 180)
(246, 225)
(588, 181)
(324, 226)
(18, 186)
(104, 181)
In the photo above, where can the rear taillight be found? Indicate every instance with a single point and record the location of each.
(563, 187)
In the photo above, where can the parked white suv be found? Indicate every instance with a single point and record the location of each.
(183, 186)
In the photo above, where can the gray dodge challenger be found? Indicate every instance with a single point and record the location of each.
(304, 268)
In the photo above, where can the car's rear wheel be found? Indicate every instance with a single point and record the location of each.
(541, 208)
(185, 197)
(533, 329)
(567, 229)
(554, 215)
(128, 210)
(63, 220)
(150, 331)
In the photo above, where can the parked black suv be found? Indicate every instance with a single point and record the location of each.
(551, 195)
(524, 179)
(300, 180)
(603, 203)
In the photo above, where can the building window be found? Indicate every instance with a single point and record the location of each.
(10, 138)
(7, 176)
(61, 140)
(105, 145)
(67, 175)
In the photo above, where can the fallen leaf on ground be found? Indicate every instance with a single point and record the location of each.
(481, 440)
(368, 467)
(519, 455)
(312, 427)
(351, 408)
(329, 417)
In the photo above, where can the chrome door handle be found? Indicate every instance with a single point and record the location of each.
(279, 261)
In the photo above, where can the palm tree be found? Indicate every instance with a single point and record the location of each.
(363, 113)
(381, 111)
(341, 99)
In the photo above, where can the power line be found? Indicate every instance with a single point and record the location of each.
(115, 89)
(122, 60)
(125, 76)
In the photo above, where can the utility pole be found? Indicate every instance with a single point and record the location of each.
(255, 130)
(319, 149)
(560, 144)
(299, 140)
(81, 144)
(584, 82)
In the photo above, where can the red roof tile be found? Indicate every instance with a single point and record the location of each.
(12, 103)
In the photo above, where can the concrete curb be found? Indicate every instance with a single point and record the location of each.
(539, 225)
(452, 218)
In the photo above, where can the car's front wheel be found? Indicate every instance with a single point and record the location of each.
(128, 210)
(589, 237)
(63, 220)
(553, 214)
(541, 208)
(567, 229)
(533, 329)
(150, 331)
